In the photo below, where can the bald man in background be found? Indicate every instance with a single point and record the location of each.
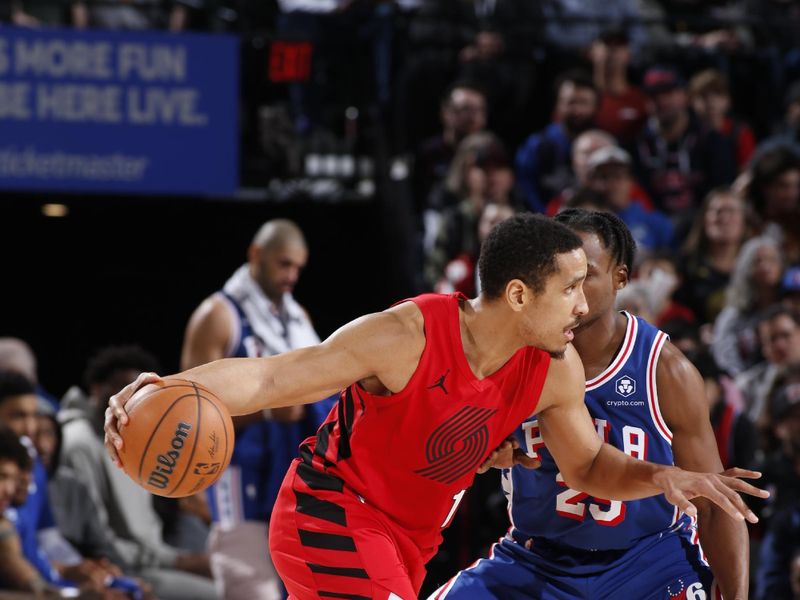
(254, 315)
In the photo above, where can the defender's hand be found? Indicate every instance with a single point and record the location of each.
(116, 417)
(681, 486)
(508, 454)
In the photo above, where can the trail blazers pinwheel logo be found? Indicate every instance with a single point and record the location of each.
(458, 445)
(625, 386)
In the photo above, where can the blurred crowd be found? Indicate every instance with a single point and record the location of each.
(680, 116)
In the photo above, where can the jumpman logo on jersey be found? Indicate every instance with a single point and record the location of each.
(440, 383)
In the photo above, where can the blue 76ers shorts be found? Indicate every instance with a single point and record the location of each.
(662, 567)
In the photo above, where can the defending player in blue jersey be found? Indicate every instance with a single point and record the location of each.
(646, 399)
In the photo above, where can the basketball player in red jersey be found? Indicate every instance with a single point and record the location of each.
(440, 381)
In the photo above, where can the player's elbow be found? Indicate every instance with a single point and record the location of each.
(576, 479)
(585, 476)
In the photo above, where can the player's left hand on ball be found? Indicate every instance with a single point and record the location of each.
(508, 454)
(116, 416)
(680, 487)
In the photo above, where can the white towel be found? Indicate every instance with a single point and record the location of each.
(277, 334)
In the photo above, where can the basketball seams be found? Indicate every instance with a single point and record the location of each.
(144, 439)
(224, 429)
(155, 430)
(194, 443)
(184, 383)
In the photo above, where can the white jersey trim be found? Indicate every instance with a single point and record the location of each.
(628, 343)
(652, 388)
(507, 485)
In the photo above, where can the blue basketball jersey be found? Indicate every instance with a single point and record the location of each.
(247, 489)
(623, 401)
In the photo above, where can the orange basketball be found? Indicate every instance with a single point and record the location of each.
(178, 440)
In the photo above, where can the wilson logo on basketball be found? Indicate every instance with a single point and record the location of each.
(159, 476)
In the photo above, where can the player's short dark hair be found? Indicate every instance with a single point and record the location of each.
(612, 231)
(12, 449)
(108, 361)
(523, 247)
(14, 384)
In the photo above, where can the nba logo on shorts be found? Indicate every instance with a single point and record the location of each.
(625, 386)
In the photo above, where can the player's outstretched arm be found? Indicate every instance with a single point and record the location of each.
(385, 346)
(589, 465)
(681, 397)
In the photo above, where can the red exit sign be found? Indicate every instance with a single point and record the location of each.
(290, 61)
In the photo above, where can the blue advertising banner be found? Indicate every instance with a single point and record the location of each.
(118, 111)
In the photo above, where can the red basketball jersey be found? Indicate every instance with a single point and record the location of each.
(411, 455)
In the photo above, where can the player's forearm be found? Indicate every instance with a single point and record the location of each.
(248, 385)
(727, 546)
(614, 475)
(241, 383)
(238, 382)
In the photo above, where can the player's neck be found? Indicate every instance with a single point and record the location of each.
(487, 336)
(597, 342)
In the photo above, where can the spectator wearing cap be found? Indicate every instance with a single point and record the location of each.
(479, 175)
(710, 97)
(609, 174)
(779, 337)
(582, 148)
(543, 162)
(623, 106)
(677, 161)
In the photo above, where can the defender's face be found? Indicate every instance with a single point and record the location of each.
(603, 279)
(554, 313)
